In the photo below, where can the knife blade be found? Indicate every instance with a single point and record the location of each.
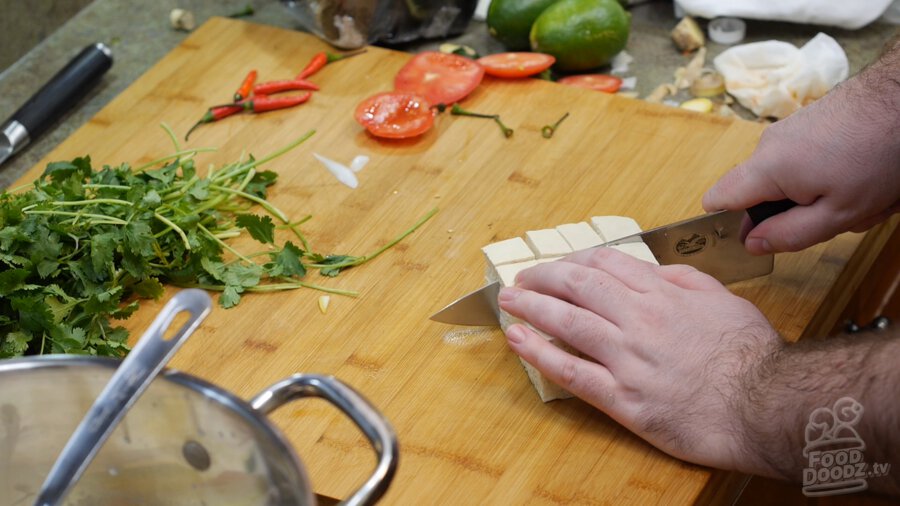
(712, 243)
(57, 96)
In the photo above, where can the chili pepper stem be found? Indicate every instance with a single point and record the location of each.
(333, 57)
(456, 110)
(205, 119)
(549, 130)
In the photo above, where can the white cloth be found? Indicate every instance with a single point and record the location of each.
(774, 78)
(851, 14)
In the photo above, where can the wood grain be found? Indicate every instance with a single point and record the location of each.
(471, 429)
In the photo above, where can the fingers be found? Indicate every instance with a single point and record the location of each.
(634, 273)
(589, 381)
(796, 229)
(744, 186)
(689, 278)
(593, 289)
(588, 332)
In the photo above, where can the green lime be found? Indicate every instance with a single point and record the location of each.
(581, 34)
(509, 21)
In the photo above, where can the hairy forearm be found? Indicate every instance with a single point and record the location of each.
(781, 439)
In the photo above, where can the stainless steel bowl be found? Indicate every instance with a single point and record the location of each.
(184, 442)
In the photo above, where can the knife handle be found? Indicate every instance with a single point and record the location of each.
(64, 89)
(765, 210)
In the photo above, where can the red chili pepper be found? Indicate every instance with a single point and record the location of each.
(321, 59)
(318, 61)
(271, 87)
(215, 114)
(246, 86)
(261, 103)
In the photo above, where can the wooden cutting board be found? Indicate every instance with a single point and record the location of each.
(471, 429)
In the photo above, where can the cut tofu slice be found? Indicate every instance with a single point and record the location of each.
(547, 243)
(638, 250)
(614, 227)
(580, 235)
(506, 274)
(507, 252)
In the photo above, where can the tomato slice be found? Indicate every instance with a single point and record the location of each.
(514, 65)
(395, 115)
(439, 77)
(597, 82)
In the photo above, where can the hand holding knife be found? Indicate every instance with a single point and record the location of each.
(712, 243)
(56, 97)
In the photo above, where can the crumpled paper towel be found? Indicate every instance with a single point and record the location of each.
(774, 78)
(851, 14)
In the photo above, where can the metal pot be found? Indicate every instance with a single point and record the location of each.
(184, 442)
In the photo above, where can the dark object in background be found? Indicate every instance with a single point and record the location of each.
(56, 97)
(351, 24)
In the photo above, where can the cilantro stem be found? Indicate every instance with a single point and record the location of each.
(175, 155)
(247, 179)
(113, 221)
(176, 228)
(274, 211)
(365, 258)
(61, 203)
(281, 151)
(274, 287)
(106, 186)
(221, 243)
(171, 135)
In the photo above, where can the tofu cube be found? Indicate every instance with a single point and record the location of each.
(547, 243)
(614, 227)
(506, 274)
(507, 252)
(638, 250)
(580, 235)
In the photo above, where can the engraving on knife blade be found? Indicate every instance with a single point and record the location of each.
(691, 245)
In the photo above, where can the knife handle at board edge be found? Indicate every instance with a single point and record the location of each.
(64, 89)
(765, 210)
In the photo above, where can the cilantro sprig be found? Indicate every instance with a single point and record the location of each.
(81, 246)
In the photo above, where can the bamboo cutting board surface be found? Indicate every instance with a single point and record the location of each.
(470, 427)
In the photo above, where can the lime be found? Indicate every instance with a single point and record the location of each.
(581, 34)
(509, 21)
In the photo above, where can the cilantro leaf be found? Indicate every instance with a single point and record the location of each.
(287, 261)
(261, 228)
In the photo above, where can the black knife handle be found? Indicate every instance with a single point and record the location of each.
(64, 90)
(765, 210)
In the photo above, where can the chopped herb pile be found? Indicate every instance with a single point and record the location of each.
(81, 246)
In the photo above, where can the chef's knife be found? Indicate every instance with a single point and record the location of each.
(712, 243)
(55, 98)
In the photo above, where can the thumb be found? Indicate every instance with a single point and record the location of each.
(744, 186)
(795, 229)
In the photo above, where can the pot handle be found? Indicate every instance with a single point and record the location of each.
(364, 415)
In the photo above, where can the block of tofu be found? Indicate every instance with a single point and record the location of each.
(614, 227)
(638, 250)
(507, 258)
(547, 243)
(580, 235)
(546, 389)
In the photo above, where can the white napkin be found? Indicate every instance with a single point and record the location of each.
(774, 79)
(851, 14)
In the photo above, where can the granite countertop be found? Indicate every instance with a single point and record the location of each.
(140, 35)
